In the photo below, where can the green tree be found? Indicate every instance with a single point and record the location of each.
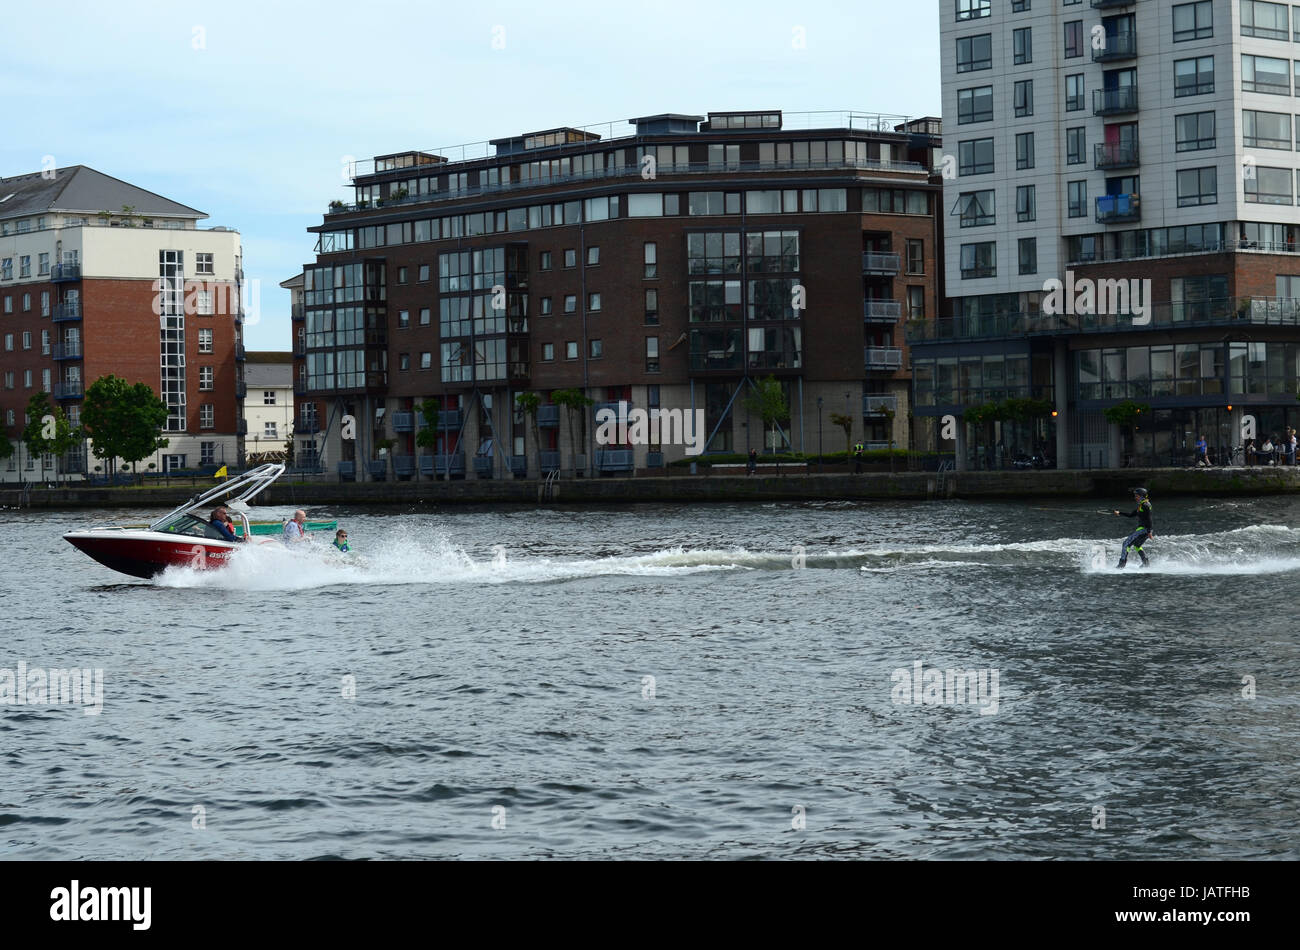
(48, 429)
(845, 423)
(529, 403)
(427, 437)
(768, 402)
(124, 420)
(6, 447)
(575, 404)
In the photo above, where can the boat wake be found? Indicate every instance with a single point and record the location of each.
(409, 557)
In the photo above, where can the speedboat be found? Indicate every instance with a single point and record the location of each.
(182, 537)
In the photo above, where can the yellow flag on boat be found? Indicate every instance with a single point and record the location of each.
(221, 473)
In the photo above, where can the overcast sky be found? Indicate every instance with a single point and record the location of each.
(247, 110)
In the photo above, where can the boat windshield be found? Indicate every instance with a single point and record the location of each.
(191, 525)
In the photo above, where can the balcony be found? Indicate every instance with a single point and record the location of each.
(886, 265)
(1111, 4)
(403, 421)
(68, 390)
(241, 427)
(614, 460)
(548, 417)
(348, 471)
(377, 380)
(239, 351)
(519, 371)
(883, 358)
(882, 311)
(241, 389)
(378, 469)
(67, 351)
(299, 350)
(404, 465)
(1118, 46)
(377, 337)
(309, 426)
(550, 461)
(879, 405)
(1115, 101)
(434, 465)
(1118, 209)
(300, 387)
(60, 273)
(483, 466)
(67, 312)
(449, 419)
(1116, 155)
(295, 312)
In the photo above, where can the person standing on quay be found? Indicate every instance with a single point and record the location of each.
(752, 464)
(857, 458)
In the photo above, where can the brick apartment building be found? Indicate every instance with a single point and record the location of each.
(667, 263)
(82, 255)
(1114, 140)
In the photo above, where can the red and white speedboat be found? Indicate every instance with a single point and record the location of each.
(183, 537)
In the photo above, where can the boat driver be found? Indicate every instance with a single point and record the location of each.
(222, 521)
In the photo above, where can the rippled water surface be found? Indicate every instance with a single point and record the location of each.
(518, 678)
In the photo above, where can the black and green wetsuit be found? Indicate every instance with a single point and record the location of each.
(1139, 537)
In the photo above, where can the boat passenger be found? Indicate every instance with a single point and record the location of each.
(294, 530)
(341, 540)
(221, 520)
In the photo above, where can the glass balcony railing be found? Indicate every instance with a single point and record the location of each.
(67, 311)
(876, 263)
(1115, 101)
(1116, 209)
(886, 358)
(882, 311)
(879, 405)
(1116, 46)
(1116, 155)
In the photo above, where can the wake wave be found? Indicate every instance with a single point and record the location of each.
(409, 556)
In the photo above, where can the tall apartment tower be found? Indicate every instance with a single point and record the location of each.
(1105, 141)
(667, 263)
(99, 276)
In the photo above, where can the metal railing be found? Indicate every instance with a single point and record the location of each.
(67, 351)
(67, 311)
(67, 390)
(62, 272)
(548, 417)
(1115, 155)
(882, 311)
(1113, 209)
(876, 263)
(877, 405)
(1117, 46)
(883, 357)
(1115, 101)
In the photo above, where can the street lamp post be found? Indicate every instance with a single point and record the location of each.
(821, 461)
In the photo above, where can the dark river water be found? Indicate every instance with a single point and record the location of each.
(670, 681)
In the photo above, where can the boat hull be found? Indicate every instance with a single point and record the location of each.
(146, 553)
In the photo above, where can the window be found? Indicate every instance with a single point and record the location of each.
(9, 304)
(205, 341)
(645, 206)
(203, 303)
(45, 303)
(1266, 129)
(548, 352)
(1024, 97)
(403, 319)
(1077, 195)
(571, 303)
(27, 339)
(1022, 46)
(27, 379)
(426, 360)
(207, 416)
(976, 209)
(1074, 92)
(915, 256)
(1019, 6)
(25, 266)
(1193, 77)
(9, 341)
(1193, 131)
(1024, 150)
(593, 255)
(570, 257)
(651, 258)
(974, 105)
(403, 361)
(424, 273)
(1270, 186)
(205, 377)
(915, 303)
(27, 303)
(268, 397)
(6, 268)
(1027, 251)
(979, 260)
(652, 354)
(1265, 74)
(975, 157)
(975, 53)
(544, 261)
(652, 307)
(596, 349)
(593, 301)
(1075, 146)
(546, 306)
(45, 343)
(425, 316)
(570, 350)
(203, 264)
(401, 275)
(43, 264)
(1193, 21)
(1197, 186)
(972, 9)
(1266, 20)
(270, 430)
(1074, 39)
(1026, 203)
